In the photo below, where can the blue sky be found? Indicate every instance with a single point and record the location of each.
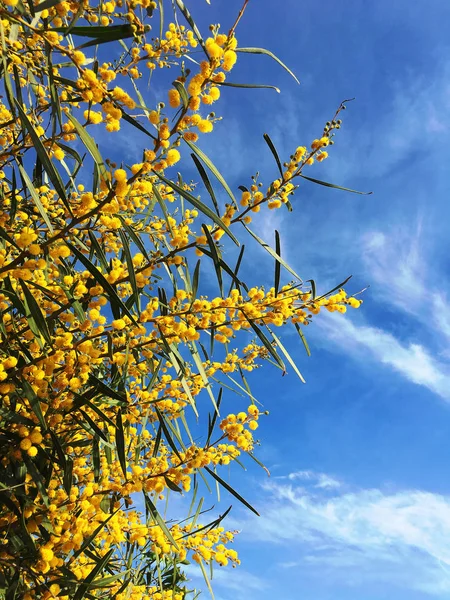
(358, 503)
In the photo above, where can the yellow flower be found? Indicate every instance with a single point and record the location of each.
(205, 126)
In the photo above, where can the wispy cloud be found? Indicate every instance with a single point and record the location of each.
(318, 480)
(412, 360)
(360, 536)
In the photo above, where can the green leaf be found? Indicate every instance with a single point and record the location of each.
(106, 33)
(337, 187)
(120, 443)
(5, 236)
(251, 86)
(274, 152)
(165, 429)
(198, 205)
(202, 156)
(227, 269)
(41, 152)
(206, 578)
(236, 271)
(91, 147)
(277, 263)
(131, 272)
(87, 542)
(183, 93)
(34, 401)
(93, 425)
(231, 490)
(135, 237)
(35, 198)
(302, 337)
(159, 520)
(212, 421)
(195, 280)
(46, 5)
(98, 251)
(187, 15)
(268, 53)
(101, 280)
(272, 252)
(287, 355)
(132, 121)
(67, 478)
(206, 182)
(36, 314)
(266, 343)
(101, 564)
(215, 257)
(36, 477)
(101, 387)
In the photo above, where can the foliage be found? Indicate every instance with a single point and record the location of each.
(108, 340)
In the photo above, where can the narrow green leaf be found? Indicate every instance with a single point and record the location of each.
(35, 198)
(131, 271)
(93, 425)
(201, 370)
(37, 477)
(277, 263)
(100, 279)
(206, 182)
(251, 86)
(91, 147)
(337, 187)
(98, 251)
(135, 123)
(36, 313)
(266, 343)
(102, 388)
(206, 578)
(159, 520)
(101, 564)
(274, 152)
(165, 429)
(212, 421)
(34, 401)
(231, 490)
(5, 236)
(302, 337)
(287, 355)
(267, 53)
(227, 269)
(202, 156)
(46, 5)
(187, 15)
(67, 478)
(87, 542)
(120, 443)
(195, 280)
(135, 237)
(199, 206)
(215, 257)
(182, 91)
(272, 253)
(41, 152)
(161, 18)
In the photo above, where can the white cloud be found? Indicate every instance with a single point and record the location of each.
(367, 535)
(411, 360)
(240, 582)
(397, 269)
(320, 480)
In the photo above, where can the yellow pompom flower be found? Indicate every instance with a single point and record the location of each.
(174, 98)
(205, 126)
(173, 156)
